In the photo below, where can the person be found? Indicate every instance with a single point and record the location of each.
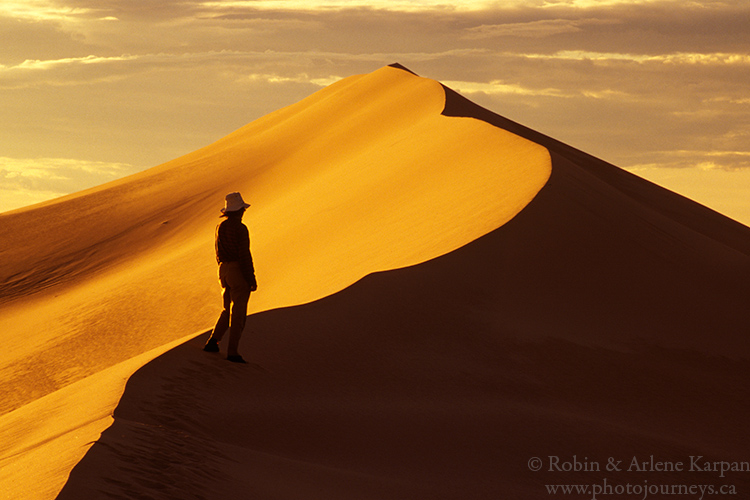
(236, 275)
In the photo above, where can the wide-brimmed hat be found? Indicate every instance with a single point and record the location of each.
(233, 203)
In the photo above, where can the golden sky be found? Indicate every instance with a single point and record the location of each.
(92, 90)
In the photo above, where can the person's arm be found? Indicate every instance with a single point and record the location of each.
(246, 259)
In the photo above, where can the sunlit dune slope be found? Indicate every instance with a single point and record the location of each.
(607, 319)
(365, 175)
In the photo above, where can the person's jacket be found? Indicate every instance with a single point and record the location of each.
(233, 245)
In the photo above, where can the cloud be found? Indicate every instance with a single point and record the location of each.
(60, 175)
(304, 78)
(498, 88)
(88, 70)
(91, 59)
(678, 58)
(333, 5)
(41, 10)
(698, 159)
(24, 181)
(532, 29)
(300, 67)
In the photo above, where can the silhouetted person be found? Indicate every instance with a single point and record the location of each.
(236, 275)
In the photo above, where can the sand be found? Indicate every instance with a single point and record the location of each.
(359, 177)
(447, 295)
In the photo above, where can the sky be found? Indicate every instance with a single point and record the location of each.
(94, 90)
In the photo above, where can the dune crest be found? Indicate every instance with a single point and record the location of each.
(365, 175)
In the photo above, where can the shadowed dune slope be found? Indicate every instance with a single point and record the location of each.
(607, 319)
(365, 175)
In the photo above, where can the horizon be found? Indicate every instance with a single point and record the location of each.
(90, 103)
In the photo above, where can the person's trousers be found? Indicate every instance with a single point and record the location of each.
(235, 293)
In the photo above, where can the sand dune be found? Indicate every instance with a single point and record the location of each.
(359, 177)
(521, 299)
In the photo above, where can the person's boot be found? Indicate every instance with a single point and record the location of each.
(211, 346)
(236, 358)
